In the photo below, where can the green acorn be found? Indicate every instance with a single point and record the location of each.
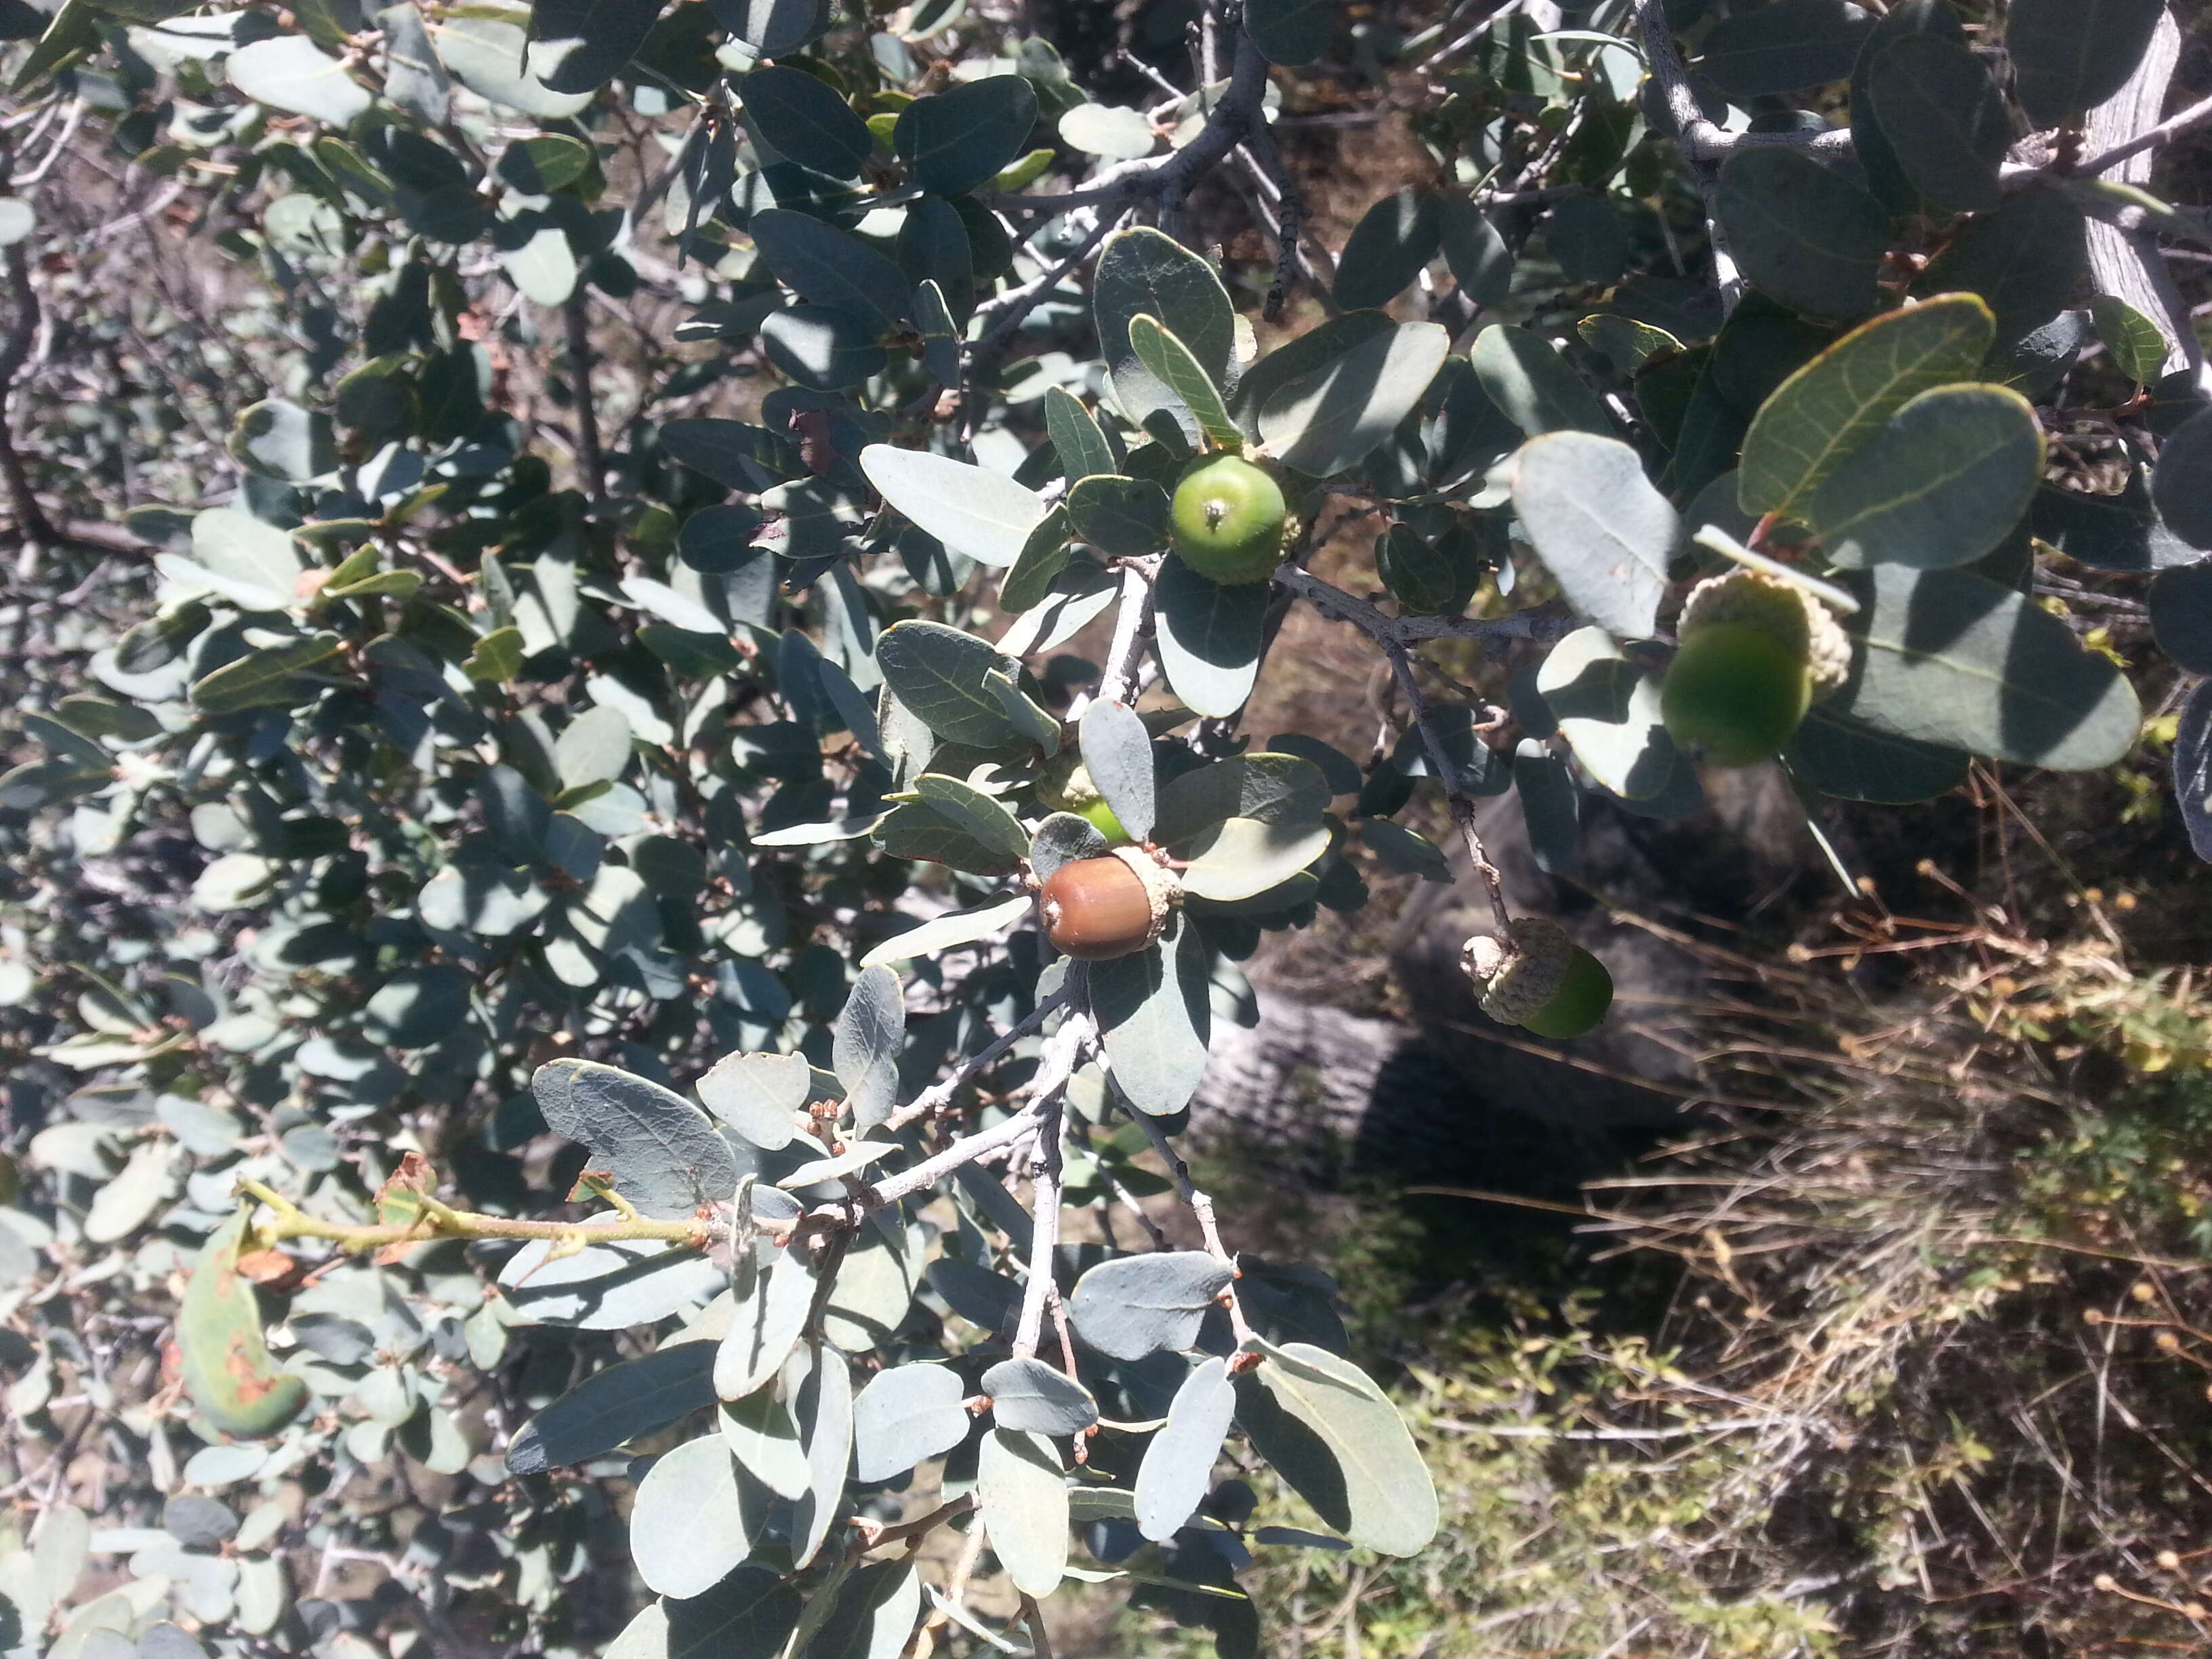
(1230, 520)
(1538, 978)
(1067, 787)
(1756, 652)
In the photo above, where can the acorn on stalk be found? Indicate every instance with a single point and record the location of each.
(1538, 978)
(1114, 905)
(1231, 522)
(1756, 651)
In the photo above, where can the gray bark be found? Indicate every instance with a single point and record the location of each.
(2127, 266)
(1453, 1095)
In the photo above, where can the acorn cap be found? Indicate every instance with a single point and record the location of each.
(1076, 791)
(1516, 975)
(1163, 887)
(1780, 609)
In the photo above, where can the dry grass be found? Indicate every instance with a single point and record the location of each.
(1930, 1377)
(1907, 1269)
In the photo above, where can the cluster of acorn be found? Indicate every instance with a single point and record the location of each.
(1231, 524)
(1755, 652)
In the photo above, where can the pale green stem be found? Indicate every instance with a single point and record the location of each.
(438, 1220)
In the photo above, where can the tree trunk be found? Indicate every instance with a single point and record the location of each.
(1454, 1095)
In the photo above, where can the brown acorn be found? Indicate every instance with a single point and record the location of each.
(1096, 910)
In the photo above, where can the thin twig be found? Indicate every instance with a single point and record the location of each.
(1537, 1431)
(1240, 110)
(1044, 1231)
(1129, 1201)
(31, 520)
(1701, 140)
(1033, 1616)
(590, 461)
(1334, 601)
(1011, 309)
(95, 537)
(1165, 180)
(1286, 220)
(1705, 140)
(1200, 1204)
(2197, 115)
(22, 183)
(1053, 205)
(1065, 1052)
(436, 1220)
(1078, 1032)
(939, 1095)
(949, 1608)
(874, 1536)
(649, 198)
(1131, 627)
(1056, 1305)
(1460, 804)
(1396, 635)
(969, 1149)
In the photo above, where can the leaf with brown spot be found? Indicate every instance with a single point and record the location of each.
(227, 1366)
(268, 1267)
